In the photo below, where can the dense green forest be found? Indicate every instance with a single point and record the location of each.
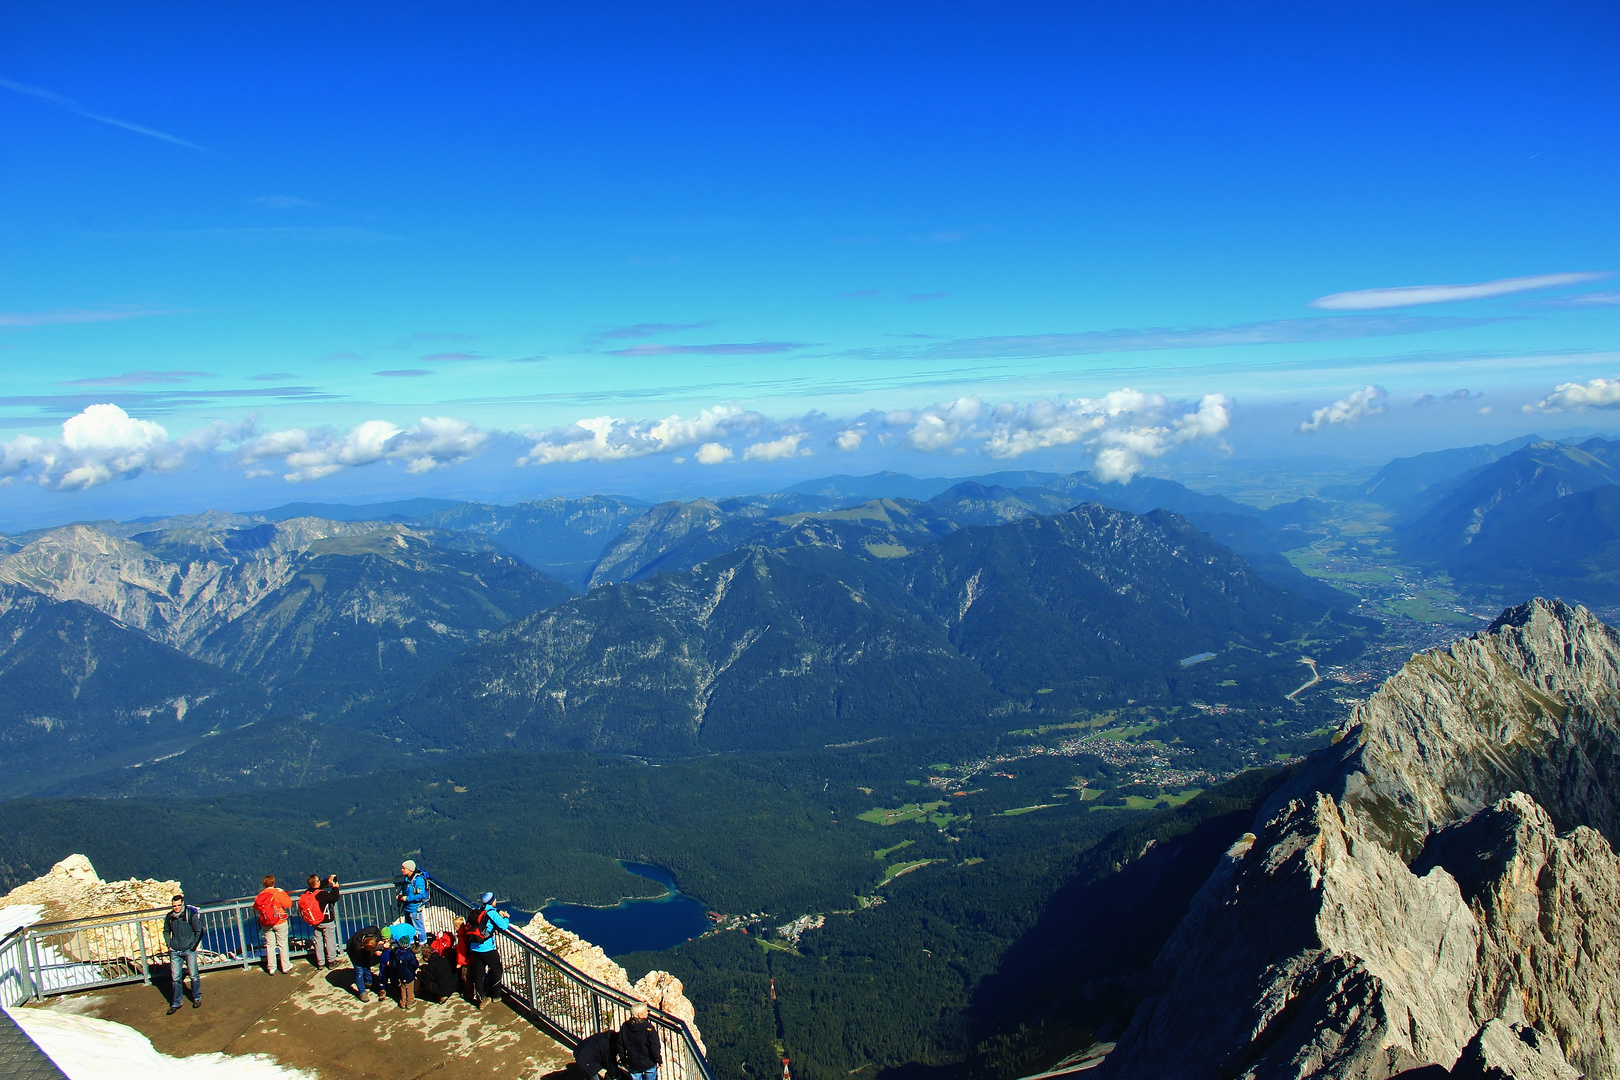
(981, 919)
(989, 967)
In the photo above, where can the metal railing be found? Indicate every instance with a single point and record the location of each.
(66, 957)
(568, 1003)
(52, 958)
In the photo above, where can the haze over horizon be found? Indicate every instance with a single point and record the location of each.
(370, 254)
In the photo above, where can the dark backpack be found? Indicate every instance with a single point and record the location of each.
(480, 919)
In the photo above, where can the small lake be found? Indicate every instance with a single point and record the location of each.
(633, 925)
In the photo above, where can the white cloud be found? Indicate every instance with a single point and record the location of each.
(1124, 428)
(101, 443)
(1596, 394)
(610, 438)
(1367, 401)
(939, 426)
(1412, 295)
(309, 454)
(777, 449)
(712, 453)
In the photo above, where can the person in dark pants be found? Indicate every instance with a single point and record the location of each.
(597, 1055)
(483, 962)
(439, 978)
(182, 933)
(364, 946)
(639, 1046)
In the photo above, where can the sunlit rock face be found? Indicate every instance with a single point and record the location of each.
(659, 989)
(1436, 888)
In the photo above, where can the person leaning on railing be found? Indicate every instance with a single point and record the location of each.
(315, 907)
(182, 933)
(483, 962)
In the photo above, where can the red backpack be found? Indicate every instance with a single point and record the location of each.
(270, 912)
(309, 906)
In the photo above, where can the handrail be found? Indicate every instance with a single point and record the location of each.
(73, 955)
(573, 1005)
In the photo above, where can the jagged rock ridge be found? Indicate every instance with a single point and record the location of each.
(1437, 888)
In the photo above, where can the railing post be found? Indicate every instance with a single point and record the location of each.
(529, 979)
(241, 938)
(37, 970)
(140, 943)
(27, 966)
(596, 1007)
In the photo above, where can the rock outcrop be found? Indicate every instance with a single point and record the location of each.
(1436, 889)
(73, 890)
(659, 989)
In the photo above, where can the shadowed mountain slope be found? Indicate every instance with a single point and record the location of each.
(831, 635)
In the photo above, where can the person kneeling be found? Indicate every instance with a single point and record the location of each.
(439, 978)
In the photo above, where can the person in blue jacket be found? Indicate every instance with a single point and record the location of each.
(483, 961)
(413, 896)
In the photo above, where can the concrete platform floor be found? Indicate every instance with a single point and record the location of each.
(312, 1020)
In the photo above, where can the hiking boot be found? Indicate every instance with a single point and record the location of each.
(196, 1003)
(364, 996)
(172, 1010)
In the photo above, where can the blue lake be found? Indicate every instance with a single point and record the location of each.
(634, 925)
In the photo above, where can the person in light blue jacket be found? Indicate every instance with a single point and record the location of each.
(483, 961)
(413, 896)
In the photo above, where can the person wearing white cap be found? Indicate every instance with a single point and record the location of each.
(413, 895)
(483, 961)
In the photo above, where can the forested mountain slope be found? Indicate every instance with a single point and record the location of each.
(79, 691)
(828, 635)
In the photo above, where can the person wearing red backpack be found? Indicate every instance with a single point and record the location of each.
(272, 905)
(315, 908)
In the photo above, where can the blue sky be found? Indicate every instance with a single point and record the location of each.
(255, 257)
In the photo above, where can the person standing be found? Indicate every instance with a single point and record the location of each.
(413, 896)
(182, 933)
(315, 908)
(272, 905)
(483, 961)
(402, 967)
(639, 1045)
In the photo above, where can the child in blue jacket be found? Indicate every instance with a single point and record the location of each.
(399, 966)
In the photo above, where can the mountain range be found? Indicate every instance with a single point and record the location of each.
(1540, 519)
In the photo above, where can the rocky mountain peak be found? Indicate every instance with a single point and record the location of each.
(1437, 888)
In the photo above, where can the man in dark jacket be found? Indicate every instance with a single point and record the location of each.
(364, 946)
(597, 1055)
(315, 908)
(639, 1047)
(182, 933)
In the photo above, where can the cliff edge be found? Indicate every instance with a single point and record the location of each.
(1438, 888)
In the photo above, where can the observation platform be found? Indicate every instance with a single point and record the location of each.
(312, 1020)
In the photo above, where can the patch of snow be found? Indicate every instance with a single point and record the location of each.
(87, 1048)
(19, 915)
